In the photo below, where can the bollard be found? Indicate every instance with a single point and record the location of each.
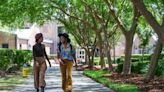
(25, 70)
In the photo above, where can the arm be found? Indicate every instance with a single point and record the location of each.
(33, 53)
(58, 57)
(74, 56)
(47, 56)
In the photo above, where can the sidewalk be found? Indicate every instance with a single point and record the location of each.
(81, 83)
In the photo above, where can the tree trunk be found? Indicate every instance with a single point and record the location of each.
(108, 53)
(114, 51)
(143, 50)
(90, 60)
(86, 57)
(154, 61)
(109, 60)
(101, 50)
(128, 52)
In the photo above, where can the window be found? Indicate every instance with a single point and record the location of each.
(5, 45)
(20, 46)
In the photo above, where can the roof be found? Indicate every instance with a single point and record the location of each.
(47, 41)
(23, 33)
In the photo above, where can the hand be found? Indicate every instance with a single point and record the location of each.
(56, 60)
(49, 63)
(76, 66)
(61, 62)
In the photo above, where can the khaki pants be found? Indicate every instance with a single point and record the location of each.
(39, 72)
(66, 73)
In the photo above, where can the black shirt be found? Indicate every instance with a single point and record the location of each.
(39, 51)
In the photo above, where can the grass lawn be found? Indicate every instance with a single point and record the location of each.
(10, 81)
(99, 76)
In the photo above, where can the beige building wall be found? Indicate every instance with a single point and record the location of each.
(8, 38)
(22, 44)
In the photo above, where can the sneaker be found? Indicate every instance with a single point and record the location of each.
(37, 90)
(42, 89)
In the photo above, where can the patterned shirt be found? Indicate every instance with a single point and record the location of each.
(66, 53)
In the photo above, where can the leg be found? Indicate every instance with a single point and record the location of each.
(69, 74)
(63, 74)
(43, 68)
(36, 74)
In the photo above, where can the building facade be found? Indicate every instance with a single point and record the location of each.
(22, 39)
(8, 40)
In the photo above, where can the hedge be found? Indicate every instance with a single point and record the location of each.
(141, 67)
(11, 58)
(135, 58)
(136, 67)
(97, 60)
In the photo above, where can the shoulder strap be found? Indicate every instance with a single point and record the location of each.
(71, 46)
(59, 45)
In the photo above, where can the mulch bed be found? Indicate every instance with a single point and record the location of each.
(155, 85)
(82, 67)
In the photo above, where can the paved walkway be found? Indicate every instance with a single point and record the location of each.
(53, 80)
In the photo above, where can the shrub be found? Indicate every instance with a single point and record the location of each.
(136, 57)
(119, 60)
(23, 56)
(119, 68)
(141, 67)
(97, 60)
(10, 58)
(160, 68)
(136, 67)
(6, 58)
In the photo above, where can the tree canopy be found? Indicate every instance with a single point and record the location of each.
(93, 22)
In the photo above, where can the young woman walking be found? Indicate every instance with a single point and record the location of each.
(66, 56)
(39, 55)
